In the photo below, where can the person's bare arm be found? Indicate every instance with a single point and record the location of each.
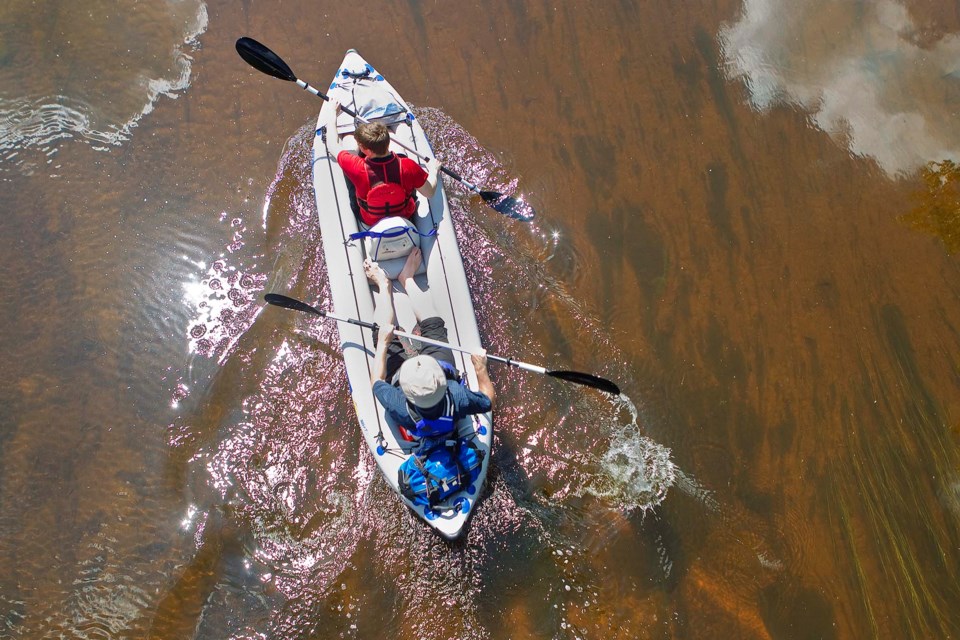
(479, 358)
(333, 140)
(430, 186)
(384, 338)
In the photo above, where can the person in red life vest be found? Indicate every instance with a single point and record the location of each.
(381, 183)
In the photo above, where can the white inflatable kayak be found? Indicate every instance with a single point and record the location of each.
(441, 275)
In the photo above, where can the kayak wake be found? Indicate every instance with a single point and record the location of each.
(299, 480)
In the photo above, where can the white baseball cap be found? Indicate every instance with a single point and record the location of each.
(422, 381)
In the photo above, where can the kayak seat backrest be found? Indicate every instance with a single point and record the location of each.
(390, 241)
(391, 238)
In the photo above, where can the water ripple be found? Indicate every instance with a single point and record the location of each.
(103, 97)
(327, 534)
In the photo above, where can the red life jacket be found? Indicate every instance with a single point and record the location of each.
(386, 196)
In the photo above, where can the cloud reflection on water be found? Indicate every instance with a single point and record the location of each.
(865, 71)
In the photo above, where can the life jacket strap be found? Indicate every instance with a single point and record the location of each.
(379, 173)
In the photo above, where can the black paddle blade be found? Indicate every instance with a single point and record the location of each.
(291, 303)
(263, 59)
(586, 379)
(509, 206)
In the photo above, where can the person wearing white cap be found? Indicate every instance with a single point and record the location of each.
(421, 389)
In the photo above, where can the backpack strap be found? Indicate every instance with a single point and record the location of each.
(393, 233)
(432, 498)
(453, 446)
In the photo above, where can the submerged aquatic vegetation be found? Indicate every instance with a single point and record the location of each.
(938, 212)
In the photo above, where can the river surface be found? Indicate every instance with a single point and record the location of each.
(738, 222)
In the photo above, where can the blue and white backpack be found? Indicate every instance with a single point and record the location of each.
(446, 466)
(392, 237)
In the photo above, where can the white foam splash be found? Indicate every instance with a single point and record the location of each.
(636, 471)
(859, 69)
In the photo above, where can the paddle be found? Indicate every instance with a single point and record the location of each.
(263, 59)
(576, 377)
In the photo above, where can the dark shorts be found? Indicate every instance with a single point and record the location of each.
(433, 328)
(354, 206)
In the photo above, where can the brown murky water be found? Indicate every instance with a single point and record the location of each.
(722, 195)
